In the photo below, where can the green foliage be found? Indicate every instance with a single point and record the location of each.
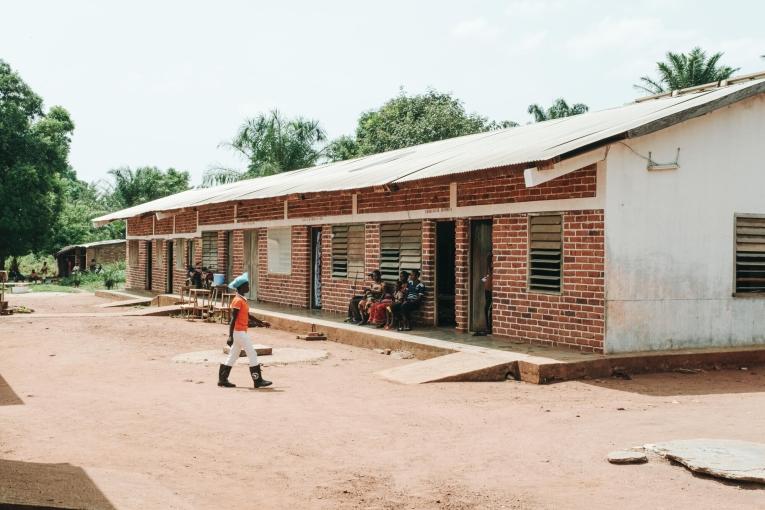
(133, 187)
(683, 70)
(272, 143)
(113, 274)
(35, 261)
(34, 146)
(49, 287)
(560, 108)
(410, 120)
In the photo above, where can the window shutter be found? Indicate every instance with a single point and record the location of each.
(545, 252)
(400, 248)
(750, 255)
(348, 251)
(179, 250)
(133, 253)
(280, 250)
(210, 250)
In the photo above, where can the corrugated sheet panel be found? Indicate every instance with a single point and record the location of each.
(525, 144)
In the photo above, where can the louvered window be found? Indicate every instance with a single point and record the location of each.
(750, 255)
(545, 253)
(400, 248)
(210, 250)
(348, 251)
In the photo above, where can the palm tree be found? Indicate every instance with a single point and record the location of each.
(272, 144)
(683, 70)
(560, 108)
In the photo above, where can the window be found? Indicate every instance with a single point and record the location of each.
(179, 250)
(750, 254)
(280, 250)
(348, 251)
(133, 253)
(400, 248)
(191, 246)
(545, 252)
(210, 250)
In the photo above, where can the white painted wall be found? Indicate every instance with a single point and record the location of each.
(670, 234)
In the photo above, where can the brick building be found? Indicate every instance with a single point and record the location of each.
(103, 252)
(587, 220)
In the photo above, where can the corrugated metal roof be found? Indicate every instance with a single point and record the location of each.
(89, 245)
(514, 146)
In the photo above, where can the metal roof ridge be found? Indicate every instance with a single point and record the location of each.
(704, 87)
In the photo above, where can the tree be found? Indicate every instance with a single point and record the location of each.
(410, 120)
(133, 187)
(272, 143)
(683, 70)
(560, 108)
(34, 147)
(82, 203)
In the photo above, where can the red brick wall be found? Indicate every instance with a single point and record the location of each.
(261, 210)
(575, 317)
(408, 196)
(159, 266)
(511, 188)
(140, 226)
(426, 314)
(186, 222)
(216, 214)
(292, 289)
(319, 205)
(238, 254)
(163, 226)
(106, 254)
(136, 275)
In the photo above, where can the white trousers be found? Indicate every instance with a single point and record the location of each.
(242, 341)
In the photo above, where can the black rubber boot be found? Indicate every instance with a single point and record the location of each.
(223, 372)
(257, 377)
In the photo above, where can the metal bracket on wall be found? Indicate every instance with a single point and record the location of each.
(654, 166)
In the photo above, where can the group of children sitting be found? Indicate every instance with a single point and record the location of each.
(388, 308)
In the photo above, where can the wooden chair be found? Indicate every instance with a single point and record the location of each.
(187, 305)
(223, 310)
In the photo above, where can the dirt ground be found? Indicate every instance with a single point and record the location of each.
(103, 394)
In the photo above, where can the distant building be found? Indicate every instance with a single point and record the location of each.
(104, 252)
(640, 227)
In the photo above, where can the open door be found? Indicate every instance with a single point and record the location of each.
(251, 261)
(149, 260)
(480, 247)
(445, 284)
(169, 262)
(316, 267)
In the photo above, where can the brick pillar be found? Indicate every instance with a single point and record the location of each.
(301, 265)
(371, 247)
(197, 252)
(158, 265)
(238, 246)
(427, 276)
(461, 273)
(222, 252)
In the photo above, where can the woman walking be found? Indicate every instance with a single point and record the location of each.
(238, 338)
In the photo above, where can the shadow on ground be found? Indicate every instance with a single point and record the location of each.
(674, 384)
(40, 486)
(8, 397)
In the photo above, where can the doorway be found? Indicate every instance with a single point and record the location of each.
(169, 262)
(445, 284)
(316, 267)
(251, 261)
(480, 246)
(149, 259)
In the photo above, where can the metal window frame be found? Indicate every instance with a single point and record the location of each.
(529, 290)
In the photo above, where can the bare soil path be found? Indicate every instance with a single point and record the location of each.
(103, 394)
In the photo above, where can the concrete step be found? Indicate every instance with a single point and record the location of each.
(457, 367)
(126, 302)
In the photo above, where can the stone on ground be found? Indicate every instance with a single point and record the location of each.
(722, 458)
(279, 356)
(627, 457)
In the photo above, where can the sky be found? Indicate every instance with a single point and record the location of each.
(165, 83)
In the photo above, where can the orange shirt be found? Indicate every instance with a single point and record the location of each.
(243, 317)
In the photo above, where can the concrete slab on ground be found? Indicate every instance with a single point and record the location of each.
(126, 302)
(731, 459)
(279, 356)
(260, 350)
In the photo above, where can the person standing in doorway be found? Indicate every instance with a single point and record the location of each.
(238, 338)
(488, 286)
